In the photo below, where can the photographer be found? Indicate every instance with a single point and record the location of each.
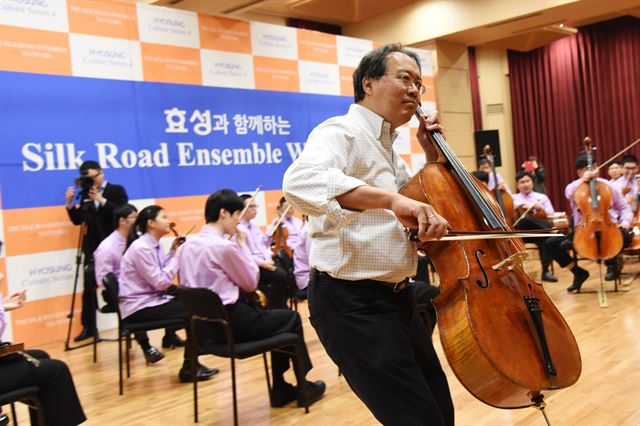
(93, 203)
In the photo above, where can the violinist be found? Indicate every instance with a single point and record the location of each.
(619, 212)
(615, 170)
(301, 259)
(531, 207)
(292, 224)
(629, 182)
(224, 266)
(347, 180)
(145, 273)
(273, 278)
(485, 166)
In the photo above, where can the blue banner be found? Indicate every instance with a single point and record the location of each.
(156, 139)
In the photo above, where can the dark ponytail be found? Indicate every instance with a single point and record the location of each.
(140, 226)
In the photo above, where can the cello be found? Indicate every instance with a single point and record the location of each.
(505, 202)
(504, 339)
(596, 237)
(635, 223)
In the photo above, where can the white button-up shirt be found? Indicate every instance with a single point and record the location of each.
(341, 154)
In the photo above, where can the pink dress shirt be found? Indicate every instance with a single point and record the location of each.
(255, 241)
(3, 319)
(293, 226)
(533, 197)
(144, 275)
(619, 210)
(621, 182)
(108, 255)
(210, 260)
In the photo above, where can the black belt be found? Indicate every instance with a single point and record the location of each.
(395, 287)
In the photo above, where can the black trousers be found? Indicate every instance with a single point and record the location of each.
(89, 297)
(377, 339)
(251, 323)
(558, 248)
(173, 309)
(275, 286)
(58, 395)
(529, 223)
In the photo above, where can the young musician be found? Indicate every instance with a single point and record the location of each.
(619, 212)
(528, 199)
(615, 170)
(145, 274)
(211, 260)
(292, 224)
(347, 180)
(274, 280)
(56, 391)
(107, 258)
(485, 166)
(629, 182)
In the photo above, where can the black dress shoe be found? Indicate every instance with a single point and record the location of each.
(4, 419)
(153, 355)
(547, 276)
(173, 341)
(85, 334)
(612, 273)
(202, 373)
(282, 395)
(579, 276)
(108, 309)
(313, 393)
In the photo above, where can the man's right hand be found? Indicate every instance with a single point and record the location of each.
(412, 213)
(71, 191)
(269, 265)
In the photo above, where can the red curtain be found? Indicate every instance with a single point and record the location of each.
(587, 84)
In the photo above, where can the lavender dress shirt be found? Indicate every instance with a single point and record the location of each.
(533, 197)
(210, 260)
(619, 210)
(622, 181)
(3, 319)
(293, 226)
(108, 255)
(255, 241)
(492, 183)
(144, 275)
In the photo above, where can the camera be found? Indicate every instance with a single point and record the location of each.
(85, 183)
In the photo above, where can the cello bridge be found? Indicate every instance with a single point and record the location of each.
(511, 261)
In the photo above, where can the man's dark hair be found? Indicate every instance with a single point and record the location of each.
(482, 176)
(484, 161)
(630, 159)
(618, 162)
(89, 165)
(522, 174)
(123, 212)
(282, 201)
(581, 162)
(374, 65)
(245, 197)
(223, 199)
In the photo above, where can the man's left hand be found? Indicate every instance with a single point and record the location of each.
(430, 123)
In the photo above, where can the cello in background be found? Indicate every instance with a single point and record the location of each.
(596, 237)
(503, 337)
(502, 197)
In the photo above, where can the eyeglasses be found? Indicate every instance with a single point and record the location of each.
(408, 82)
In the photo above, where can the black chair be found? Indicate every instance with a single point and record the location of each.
(283, 259)
(27, 395)
(127, 328)
(205, 306)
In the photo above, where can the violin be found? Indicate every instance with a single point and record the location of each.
(596, 237)
(635, 223)
(505, 202)
(502, 335)
(280, 235)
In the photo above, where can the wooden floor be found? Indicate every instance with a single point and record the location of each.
(608, 392)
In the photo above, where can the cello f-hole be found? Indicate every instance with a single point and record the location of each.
(485, 284)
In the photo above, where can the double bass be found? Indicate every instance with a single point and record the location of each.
(596, 237)
(505, 340)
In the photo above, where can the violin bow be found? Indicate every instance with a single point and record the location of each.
(280, 219)
(244, 210)
(614, 157)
